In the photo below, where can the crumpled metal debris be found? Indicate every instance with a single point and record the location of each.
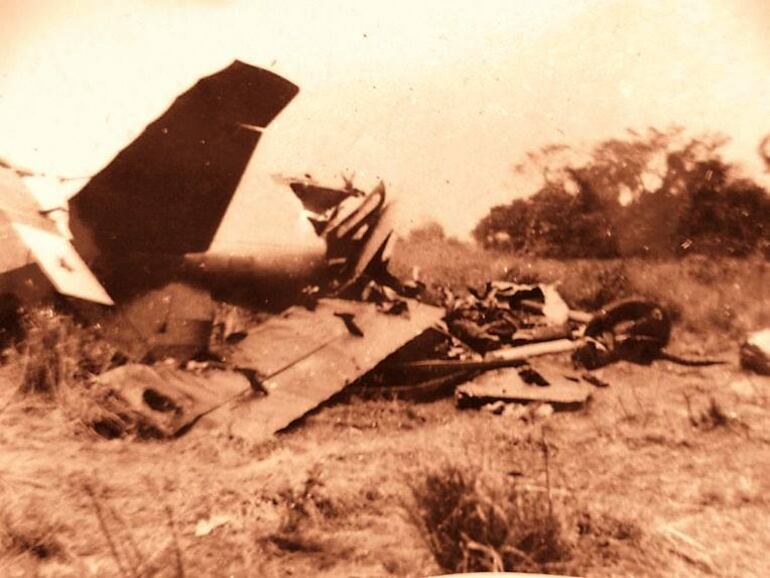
(381, 339)
(320, 200)
(489, 332)
(631, 329)
(496, 316)
(755, 352)
(357, 228)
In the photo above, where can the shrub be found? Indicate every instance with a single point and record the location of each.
(652, 195)
(58, 351)
(474, 524)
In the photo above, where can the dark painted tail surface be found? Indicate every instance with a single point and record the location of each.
(168, 190)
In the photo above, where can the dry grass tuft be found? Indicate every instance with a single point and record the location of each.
(713, 416)
(59, 352)
(473, 523)
(163, 556)
(57, 359)
(27, 529)
(305, 510)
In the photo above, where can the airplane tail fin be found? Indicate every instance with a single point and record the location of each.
(169, 189)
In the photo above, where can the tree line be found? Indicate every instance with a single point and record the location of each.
(653, 194)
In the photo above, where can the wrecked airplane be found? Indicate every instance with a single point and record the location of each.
(139, 261)
(142, 232)
(142, 228)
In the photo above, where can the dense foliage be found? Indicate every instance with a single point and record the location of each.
(656, 194)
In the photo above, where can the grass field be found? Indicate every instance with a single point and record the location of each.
(717, 299)
(665, 472)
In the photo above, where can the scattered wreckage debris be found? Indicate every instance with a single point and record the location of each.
(270, 375)
(282, 369)
(633, 329)
(508, 357)
(493, 317)
(525, 385)
(504, 342)
(293, 362)
(160, 401)
(141, 248)
(755, 352)
(490, 335)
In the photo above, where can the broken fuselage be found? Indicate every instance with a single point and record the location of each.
(144, 225)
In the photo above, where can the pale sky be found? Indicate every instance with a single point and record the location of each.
(439, 98)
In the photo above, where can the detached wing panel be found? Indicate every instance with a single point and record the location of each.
(168, 191)
(305, 357)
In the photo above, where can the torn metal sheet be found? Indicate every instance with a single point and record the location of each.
(352, 213)
(508, 385)
(378, 242)
(372, 203)
(161, 401)
(319, 199)
(305, 357)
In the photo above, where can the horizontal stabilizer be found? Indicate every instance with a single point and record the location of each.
(62, 265)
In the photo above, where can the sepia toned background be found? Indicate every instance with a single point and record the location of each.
(575, 383)
(439, 99)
